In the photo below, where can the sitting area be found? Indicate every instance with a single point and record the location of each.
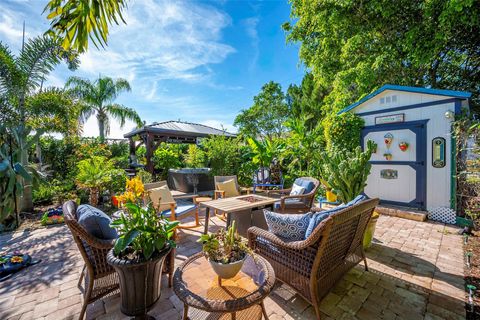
(297, 199)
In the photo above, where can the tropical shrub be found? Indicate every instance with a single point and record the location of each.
(195, 157)
(167, 156)
(343, 131)
(345, 171)
(223, 155)
(94, 174)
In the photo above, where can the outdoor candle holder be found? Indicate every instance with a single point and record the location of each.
(471, 292)
(469, 258)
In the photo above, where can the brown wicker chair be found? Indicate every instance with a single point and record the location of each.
(100, 278)
(295, 204)
(313, 266)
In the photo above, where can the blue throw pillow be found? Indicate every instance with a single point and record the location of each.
(290, 227)
(307, 184)
(357, 200)
(96, 222)
(318, 217)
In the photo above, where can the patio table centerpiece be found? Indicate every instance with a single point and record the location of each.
(226, 251)
(145, 239)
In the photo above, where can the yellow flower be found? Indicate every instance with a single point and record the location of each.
(16, 259)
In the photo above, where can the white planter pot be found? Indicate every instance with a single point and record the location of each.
(229, 270)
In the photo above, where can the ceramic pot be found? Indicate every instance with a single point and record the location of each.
(139, 282)
(369, 232)
(229, 270)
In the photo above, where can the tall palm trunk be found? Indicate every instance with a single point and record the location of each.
(101, 126)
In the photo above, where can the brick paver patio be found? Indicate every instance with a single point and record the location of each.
(416, 272)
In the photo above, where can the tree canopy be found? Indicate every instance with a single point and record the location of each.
(98, 98)
(354, 47)
(266, 117)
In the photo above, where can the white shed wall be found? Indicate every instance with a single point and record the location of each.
(438, 179)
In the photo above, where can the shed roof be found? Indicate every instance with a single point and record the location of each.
(438, 92)
(180, 128)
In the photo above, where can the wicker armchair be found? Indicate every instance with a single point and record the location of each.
(100, 278)
(313, 266)
(298, 203)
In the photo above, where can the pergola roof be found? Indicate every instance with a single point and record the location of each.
(179, 128)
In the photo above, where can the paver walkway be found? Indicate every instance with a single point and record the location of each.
(416, 272)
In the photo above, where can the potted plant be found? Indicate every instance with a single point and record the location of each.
(145, 239)
(403, 146)
(370, 231)
(226, 251)
(346, 171)
(388, 156)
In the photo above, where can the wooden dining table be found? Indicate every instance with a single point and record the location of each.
(236, 204)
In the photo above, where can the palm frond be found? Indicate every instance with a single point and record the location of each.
(122, 113)
(39, 57)
(8, 70)
(76, 23)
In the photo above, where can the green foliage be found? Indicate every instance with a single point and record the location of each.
(94, 174)
(88, 148)
(142, 232)
(343, 131)
(266, 116)
(265, 151)
(118, 179)
(224, 246)
(195, 157)
(354, 47)
(75, 21)
(302, 147)
(145, 176)
(222, 154)
(13, 175)
(167, 156)
(345, 171)
(97, 98)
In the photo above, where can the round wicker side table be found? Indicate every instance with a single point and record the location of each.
(204, 295)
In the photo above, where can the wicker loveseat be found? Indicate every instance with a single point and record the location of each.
(100, 278)
(313, 266)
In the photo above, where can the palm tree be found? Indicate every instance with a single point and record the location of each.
(98, 97)
(20, 78)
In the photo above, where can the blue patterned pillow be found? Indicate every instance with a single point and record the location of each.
(357, 200)
(290, 227)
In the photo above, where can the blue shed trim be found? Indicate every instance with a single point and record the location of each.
(439, 92)
(419, 127)
(412, 106)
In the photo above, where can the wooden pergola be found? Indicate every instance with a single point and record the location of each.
(171, 132)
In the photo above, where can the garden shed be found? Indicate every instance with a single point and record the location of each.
(171, 132)
(414, 163)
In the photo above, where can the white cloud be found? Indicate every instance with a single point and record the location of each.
(90, 128)
(251, 30)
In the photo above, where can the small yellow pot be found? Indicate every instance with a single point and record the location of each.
(369, 232)
(331, 197)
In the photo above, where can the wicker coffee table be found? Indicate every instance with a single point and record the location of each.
(205, 296)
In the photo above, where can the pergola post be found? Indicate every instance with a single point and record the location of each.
(149, 153)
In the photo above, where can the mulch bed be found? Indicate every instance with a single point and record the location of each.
(472, 274)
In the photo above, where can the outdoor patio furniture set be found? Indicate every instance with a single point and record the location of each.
(311, 266)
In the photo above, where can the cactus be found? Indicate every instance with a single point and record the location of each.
(346, 171)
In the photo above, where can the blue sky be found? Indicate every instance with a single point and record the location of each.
(198, 61)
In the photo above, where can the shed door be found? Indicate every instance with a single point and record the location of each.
(402, 179)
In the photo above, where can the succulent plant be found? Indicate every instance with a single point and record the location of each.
(346, 171)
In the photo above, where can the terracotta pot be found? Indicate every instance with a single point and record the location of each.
(139, 282)
(229, 270)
